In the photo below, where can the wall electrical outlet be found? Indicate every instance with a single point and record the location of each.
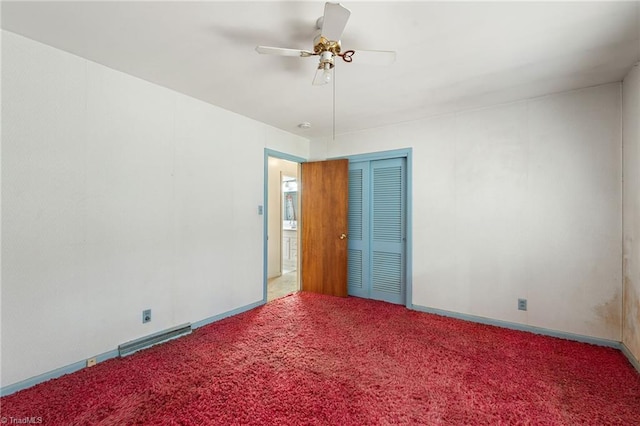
(522, 304)
(91, 362)
(146, 316)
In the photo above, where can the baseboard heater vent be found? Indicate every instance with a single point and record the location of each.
(153, 339)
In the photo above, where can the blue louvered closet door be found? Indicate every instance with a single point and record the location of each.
(376, 257)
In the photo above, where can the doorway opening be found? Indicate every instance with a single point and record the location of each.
(282, 219)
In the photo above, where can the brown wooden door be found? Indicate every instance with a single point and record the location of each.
(325, 195)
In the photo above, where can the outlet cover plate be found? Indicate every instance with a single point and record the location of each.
(91, 362)
(522, 304)
(146, 316)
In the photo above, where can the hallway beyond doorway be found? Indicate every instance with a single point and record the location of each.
(282, 286)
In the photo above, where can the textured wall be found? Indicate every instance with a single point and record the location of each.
(517, 200)
(118, 196)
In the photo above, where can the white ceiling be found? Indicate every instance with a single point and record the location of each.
(450, 56)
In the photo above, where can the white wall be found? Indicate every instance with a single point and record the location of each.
(631, 149)
(118, 196)
(521, 200)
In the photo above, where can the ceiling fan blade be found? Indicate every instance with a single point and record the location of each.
(373, 57)
(334, 20)
(283, 52)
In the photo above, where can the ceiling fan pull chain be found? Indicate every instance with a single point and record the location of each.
(334, 103)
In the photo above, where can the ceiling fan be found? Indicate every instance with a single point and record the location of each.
(327, 46)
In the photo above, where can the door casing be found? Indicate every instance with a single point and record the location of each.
(382, 155)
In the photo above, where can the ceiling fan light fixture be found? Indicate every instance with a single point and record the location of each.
(326, 75)
(320, 78)
(326, 71)
(326, 58)
(323, 73)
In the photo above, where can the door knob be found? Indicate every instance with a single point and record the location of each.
(343, 236)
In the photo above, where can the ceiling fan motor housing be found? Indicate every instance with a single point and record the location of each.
(321, 44)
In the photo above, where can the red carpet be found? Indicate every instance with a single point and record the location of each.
(309, 359)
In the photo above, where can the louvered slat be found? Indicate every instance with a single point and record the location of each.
(387, 276)
(354, 269)
(355, 204)
(387, 204)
